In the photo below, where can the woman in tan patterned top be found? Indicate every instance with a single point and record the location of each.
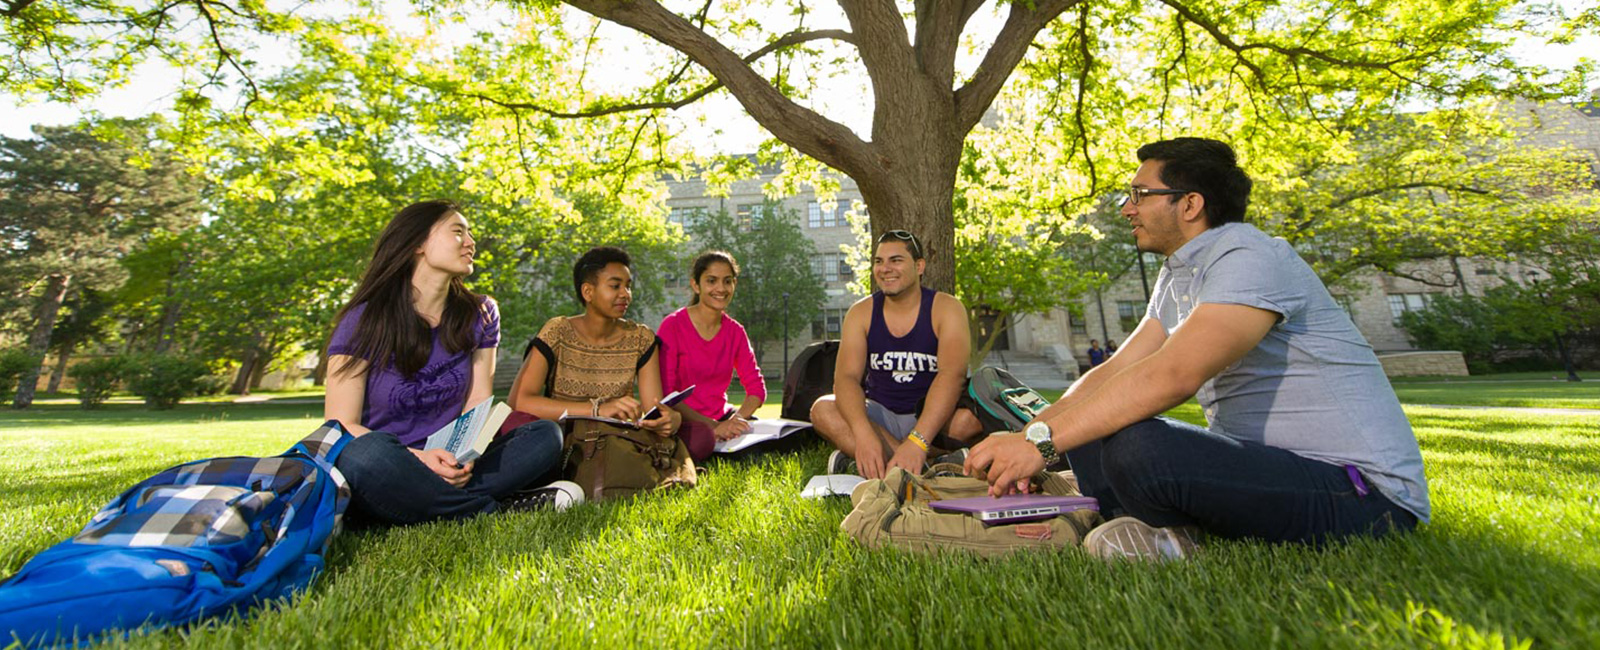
(592, 362)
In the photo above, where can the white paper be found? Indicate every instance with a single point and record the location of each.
(763, 430)
(831, 485)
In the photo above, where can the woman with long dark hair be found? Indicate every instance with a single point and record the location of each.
(413, 349)
(702, 346)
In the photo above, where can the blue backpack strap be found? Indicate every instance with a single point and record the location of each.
(325, 443)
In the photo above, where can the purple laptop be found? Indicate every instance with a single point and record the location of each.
(1015, 508)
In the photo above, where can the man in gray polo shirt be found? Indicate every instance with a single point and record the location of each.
(1307, 442)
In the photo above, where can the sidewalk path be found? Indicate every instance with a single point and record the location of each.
(263, 399)
(1519, 409)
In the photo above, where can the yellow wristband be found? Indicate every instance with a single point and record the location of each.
(917, 439)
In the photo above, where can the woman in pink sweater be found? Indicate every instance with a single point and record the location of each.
(702, 346)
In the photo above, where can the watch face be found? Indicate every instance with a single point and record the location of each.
(1037, 432)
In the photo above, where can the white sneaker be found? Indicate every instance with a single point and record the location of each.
(1127, 537)
(557, 496)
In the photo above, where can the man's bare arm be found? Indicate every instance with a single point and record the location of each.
(955, 345)
(1214, 337)
(1145, 340)
(849, 367)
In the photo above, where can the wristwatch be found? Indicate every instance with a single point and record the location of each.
(1038, 433)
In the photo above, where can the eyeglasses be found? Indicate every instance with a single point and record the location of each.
(905, 236)
(1137, 194)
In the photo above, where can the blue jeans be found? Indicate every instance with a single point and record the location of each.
(1171, 473)
(389, 485)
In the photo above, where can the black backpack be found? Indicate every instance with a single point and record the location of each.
(1001, 401)
(810, 377)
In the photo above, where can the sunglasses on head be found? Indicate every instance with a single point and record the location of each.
(905, 236)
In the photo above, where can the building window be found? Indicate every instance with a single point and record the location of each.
(817, 217)
(686, 217)
(828, 324)
(1128, 314)
(1076, 320)
(749, 213)
(1400, 303)
(831, 267)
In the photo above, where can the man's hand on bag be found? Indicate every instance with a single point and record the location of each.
(908, 457)
(869, 457)
(1007, 461)
(443, 463)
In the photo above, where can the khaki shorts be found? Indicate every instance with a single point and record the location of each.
(898, 425)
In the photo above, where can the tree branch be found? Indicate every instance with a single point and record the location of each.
(13, 9)
(1083, 88)
(1391, 270)
(1009, 46)
(1293, 53)
(882, 40)
(787, 40)
(802, 128)
(1341, 202)
(939, 27)
(224, 55)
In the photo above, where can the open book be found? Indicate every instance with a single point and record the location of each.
(763, 430)
(467, 436)
(655, 411)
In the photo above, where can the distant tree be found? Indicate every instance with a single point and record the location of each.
(1014, 258)
(76, 199)
(776, 278)
(86, 321)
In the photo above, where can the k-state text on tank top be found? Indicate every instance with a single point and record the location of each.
(904, 365)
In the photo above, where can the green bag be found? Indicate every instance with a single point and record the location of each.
(894, 512)
(611, 462)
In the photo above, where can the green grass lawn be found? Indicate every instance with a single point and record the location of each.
(1512, 558)
(1522, 393)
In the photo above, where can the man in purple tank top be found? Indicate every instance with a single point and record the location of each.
(901, 368)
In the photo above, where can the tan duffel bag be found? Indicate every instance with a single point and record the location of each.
(894, 512)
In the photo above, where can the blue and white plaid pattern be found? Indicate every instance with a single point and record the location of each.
(213, 502)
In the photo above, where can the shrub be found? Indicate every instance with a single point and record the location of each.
(1464, 323)
(211, 385)
(13, 363)
(164, 380)
(96, 379)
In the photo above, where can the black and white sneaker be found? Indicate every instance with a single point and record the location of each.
(957, 457)
(838, 463)
(557, 496)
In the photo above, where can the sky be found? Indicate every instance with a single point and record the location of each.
(716, 124)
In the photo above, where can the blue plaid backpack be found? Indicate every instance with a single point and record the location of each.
(194, 541)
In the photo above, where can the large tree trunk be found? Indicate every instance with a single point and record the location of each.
(60, 369)
(169, 320)
(921, 114)
(260, 371)
(171, 310)
(39, 341)
(917, 194)
(247, 369)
